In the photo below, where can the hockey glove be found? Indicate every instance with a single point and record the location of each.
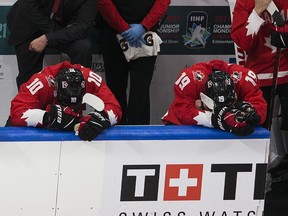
(133, 33)
(92, 125)
(58, 117)
(279, 36)
(249, 113)
(232, 120)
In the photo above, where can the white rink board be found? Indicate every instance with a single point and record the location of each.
(29, 173)
(137, 176)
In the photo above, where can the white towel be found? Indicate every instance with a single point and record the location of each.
(151, 48)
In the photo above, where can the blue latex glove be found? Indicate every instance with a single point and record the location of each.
(133, 33)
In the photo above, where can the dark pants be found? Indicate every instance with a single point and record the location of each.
(282, 92)
(30, 62)
(135, 108)
(276, 200)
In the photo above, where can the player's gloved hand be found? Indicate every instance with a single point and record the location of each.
(232, 120)
(59, 117)
(279, 36)
(133, 33)
(249, 113)
(92, 125)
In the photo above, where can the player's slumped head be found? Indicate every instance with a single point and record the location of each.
(217, 94)
(55, 98)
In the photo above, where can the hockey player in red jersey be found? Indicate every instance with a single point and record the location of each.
(53, 99)
(237, 102)
(251, 30)
(255, 28)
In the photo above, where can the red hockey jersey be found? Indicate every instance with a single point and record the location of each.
(191, 82)
(28, 106)
(252, 33)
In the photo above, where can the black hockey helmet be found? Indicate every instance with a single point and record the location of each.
(70, 86)
(220, 88)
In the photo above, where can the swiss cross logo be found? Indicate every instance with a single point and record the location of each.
(183, 182)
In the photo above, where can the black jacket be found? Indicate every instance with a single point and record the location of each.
(134, 11)
(28, 19)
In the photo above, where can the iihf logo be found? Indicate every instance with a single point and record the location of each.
(197, 32)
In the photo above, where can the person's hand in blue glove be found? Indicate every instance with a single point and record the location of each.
(133, 33)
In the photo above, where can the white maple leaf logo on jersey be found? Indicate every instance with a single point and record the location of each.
(33, 117)
(251, 30)
(268, 44)
(204, 118)
(112, 117)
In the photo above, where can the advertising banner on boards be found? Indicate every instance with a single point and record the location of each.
(133, 171)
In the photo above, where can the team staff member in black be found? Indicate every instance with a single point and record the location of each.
(131, 19)
(38, 24)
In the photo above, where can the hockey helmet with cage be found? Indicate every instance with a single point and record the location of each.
(70, 86)
(220, 88)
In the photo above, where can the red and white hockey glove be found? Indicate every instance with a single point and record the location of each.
(279, 36)
(249, 113)
(92, 125)
(59, 117)
(232, 120)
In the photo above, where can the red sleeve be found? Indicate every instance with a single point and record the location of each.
(245, 25)
(184, 104)
(28, 106)
(111, 15)
(187, 90)
(157, 11)
(247, 89)
(96, 86)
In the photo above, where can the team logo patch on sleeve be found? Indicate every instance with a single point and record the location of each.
(198, 75)
(236, 76)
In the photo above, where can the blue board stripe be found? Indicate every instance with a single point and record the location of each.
(119, 132)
